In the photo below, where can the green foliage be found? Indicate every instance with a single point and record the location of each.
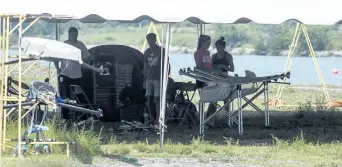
(265, 39)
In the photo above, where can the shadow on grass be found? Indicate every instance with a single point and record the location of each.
(318, 124)
(85, 145)
(128, 160)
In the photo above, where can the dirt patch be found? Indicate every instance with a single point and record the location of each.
(176, 162)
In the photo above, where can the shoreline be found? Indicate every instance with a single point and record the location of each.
(234, 51)
(245, 51)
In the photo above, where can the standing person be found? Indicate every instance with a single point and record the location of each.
(70, 71)
(203, 60)
(152, 73)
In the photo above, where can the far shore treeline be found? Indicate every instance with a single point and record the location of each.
(242, 39)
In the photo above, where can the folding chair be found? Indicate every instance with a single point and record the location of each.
(76, 92)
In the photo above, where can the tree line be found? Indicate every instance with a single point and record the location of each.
(265, 39)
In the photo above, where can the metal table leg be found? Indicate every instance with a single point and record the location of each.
(239, 98)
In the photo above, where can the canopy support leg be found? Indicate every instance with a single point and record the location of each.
(2, 82)
(164, 84)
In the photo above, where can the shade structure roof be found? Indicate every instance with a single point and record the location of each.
(50, 49)
(310, 12)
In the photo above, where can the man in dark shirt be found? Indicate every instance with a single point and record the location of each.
(152, 75)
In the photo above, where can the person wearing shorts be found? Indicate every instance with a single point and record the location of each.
(152, 74)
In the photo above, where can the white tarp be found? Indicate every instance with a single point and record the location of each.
(50, 49)
(210, 11)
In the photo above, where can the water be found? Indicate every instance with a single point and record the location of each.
(302, 71)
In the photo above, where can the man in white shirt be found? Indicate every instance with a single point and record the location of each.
(70, 71)
(73, 69)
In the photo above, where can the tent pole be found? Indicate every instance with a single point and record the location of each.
(164, 82)
(198, 34)
(56, 38)
(59, 30)
(203, 28)
(161, 142)
(20, 33)
(2, 83)
(200, 29)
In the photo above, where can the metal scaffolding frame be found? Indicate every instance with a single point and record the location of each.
(6, 30)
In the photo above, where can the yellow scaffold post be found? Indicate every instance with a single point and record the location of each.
(300, 28)
(5, 32)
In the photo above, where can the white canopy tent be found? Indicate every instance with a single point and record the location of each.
(209, 11)
(313, 12)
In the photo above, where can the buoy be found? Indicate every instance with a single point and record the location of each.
(334, 71)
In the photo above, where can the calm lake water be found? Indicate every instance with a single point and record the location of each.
(302, 71)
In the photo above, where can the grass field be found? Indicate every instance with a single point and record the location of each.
(297, 136)
(305, 138)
